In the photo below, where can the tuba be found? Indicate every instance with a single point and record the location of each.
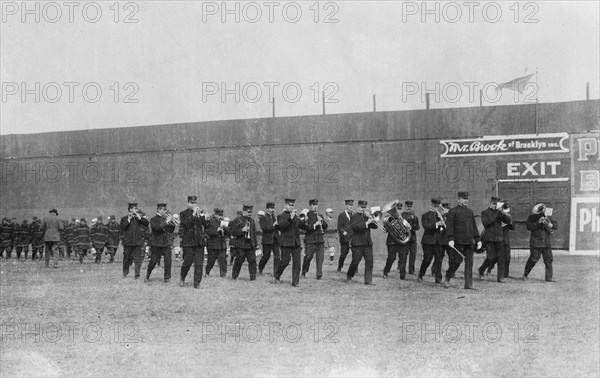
(396, 226)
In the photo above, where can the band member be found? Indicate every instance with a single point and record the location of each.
(114, 237)
(6, 236)
(541, 227)
(289, 227)
(192, 231)
(270, 239)
(433, 223)
(345, 232)
(506, 227)
(313, 241)
(493, 237)
(84, 239)
(395, 248)
(161, 224)
(52, 225)
(37, 242)
(233, 242)
(443, 236)
(244, 230)
(413, 220)
(99, 238)
(217, 243)
(133, 239)
(362, 246)
(23, 239)
(462, 233)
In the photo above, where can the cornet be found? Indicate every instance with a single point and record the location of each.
(172, 219)
(441, 217)
(197, 211)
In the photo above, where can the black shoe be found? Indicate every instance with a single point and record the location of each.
(348, 279)
(146, 280)
(196, 286)
(181, 283)
(438, 282)
(339, 271)
(420, 280)
(502, 281)
(480, 275)
(471, 288)
(167, 280)
(447, 284)
(384, 275)
(551, 280)
(524, 278)
(403, 278)
(370, 284)
(303, 275)
(319, 277)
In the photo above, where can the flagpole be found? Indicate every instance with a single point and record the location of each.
(536, 101)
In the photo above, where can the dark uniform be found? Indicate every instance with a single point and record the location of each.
(6, 238)
(362, 245)
(395, 248)
(493, 237)
(539, 243)
(160, 245)
(99, 239)
(412, 219)
(132, 232)
(289, 228)
(345, 232)
(192, 231)
(233, 242)
(246, 241)
(114, 237)
(37, 238)
(23, 239)
(217, 244)
(431, 241)
(84, 239)
(462, 233)
(270, 239)
(443, 236)
(314, 243)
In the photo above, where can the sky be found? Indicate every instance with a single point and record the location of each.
(106, 64)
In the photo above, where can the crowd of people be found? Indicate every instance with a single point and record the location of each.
(198, 238)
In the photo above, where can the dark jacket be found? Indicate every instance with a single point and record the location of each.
(270, 234)
(431, 234)
(361, 234)
(217, 239)
(344, 225)
(506, 232)
(52, 225)
(99, 235)
(37, 234)
(289, 229)
(540, 236)
(160, 230)
(243, 242)
(492, 221)
(114, 234)
(132, 232)
(84, 241)
(413, 220)
(6, 235)
(192, 229)
(24, 236)
(314, 235)
(462, 228)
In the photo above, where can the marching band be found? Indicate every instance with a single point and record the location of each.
(447, 231)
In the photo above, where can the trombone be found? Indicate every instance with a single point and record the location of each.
(375, 217)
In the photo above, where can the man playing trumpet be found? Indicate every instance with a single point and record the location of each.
(492, 218)
(289, 226)
(193, 239)
(218, 232)
(362, 246)
(433, 224)
(270, 238)
(161, 224)
(541, 227)
(313, 241)
(133, 239)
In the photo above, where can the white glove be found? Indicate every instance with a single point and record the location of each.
(478, 245)
(451, 243)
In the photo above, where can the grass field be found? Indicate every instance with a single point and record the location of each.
(86, 320)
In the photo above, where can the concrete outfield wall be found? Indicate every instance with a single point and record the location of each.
(375, 156)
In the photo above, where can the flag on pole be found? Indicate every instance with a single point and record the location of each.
(517, 84)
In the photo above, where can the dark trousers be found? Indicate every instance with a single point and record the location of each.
(495, 254)
(8, 250)
(456, 260)
(99, 251)
(52, 247)
(287, 254)
(112, 251)
(219, 255)
(267, 249)
(534, 257)
(402, 253)
(132, 254)
(412, 251)
(357, 255)
(506, 261)
(232, 253)
(24, 249)
(156, 254)
(242, 256)
(35, 250)
(82, 251)
(318, 251)
(344, 249)
(195, 256)
(432, 252)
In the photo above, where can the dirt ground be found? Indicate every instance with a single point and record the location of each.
(86, 320)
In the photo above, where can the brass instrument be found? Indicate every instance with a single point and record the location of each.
(397, 227)
(197, 211)
(248, 231)
(441, 216)
(547, 224)
(171, 219)
(540, 208)
(374, 216)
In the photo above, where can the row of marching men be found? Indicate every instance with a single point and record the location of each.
(76, 238)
